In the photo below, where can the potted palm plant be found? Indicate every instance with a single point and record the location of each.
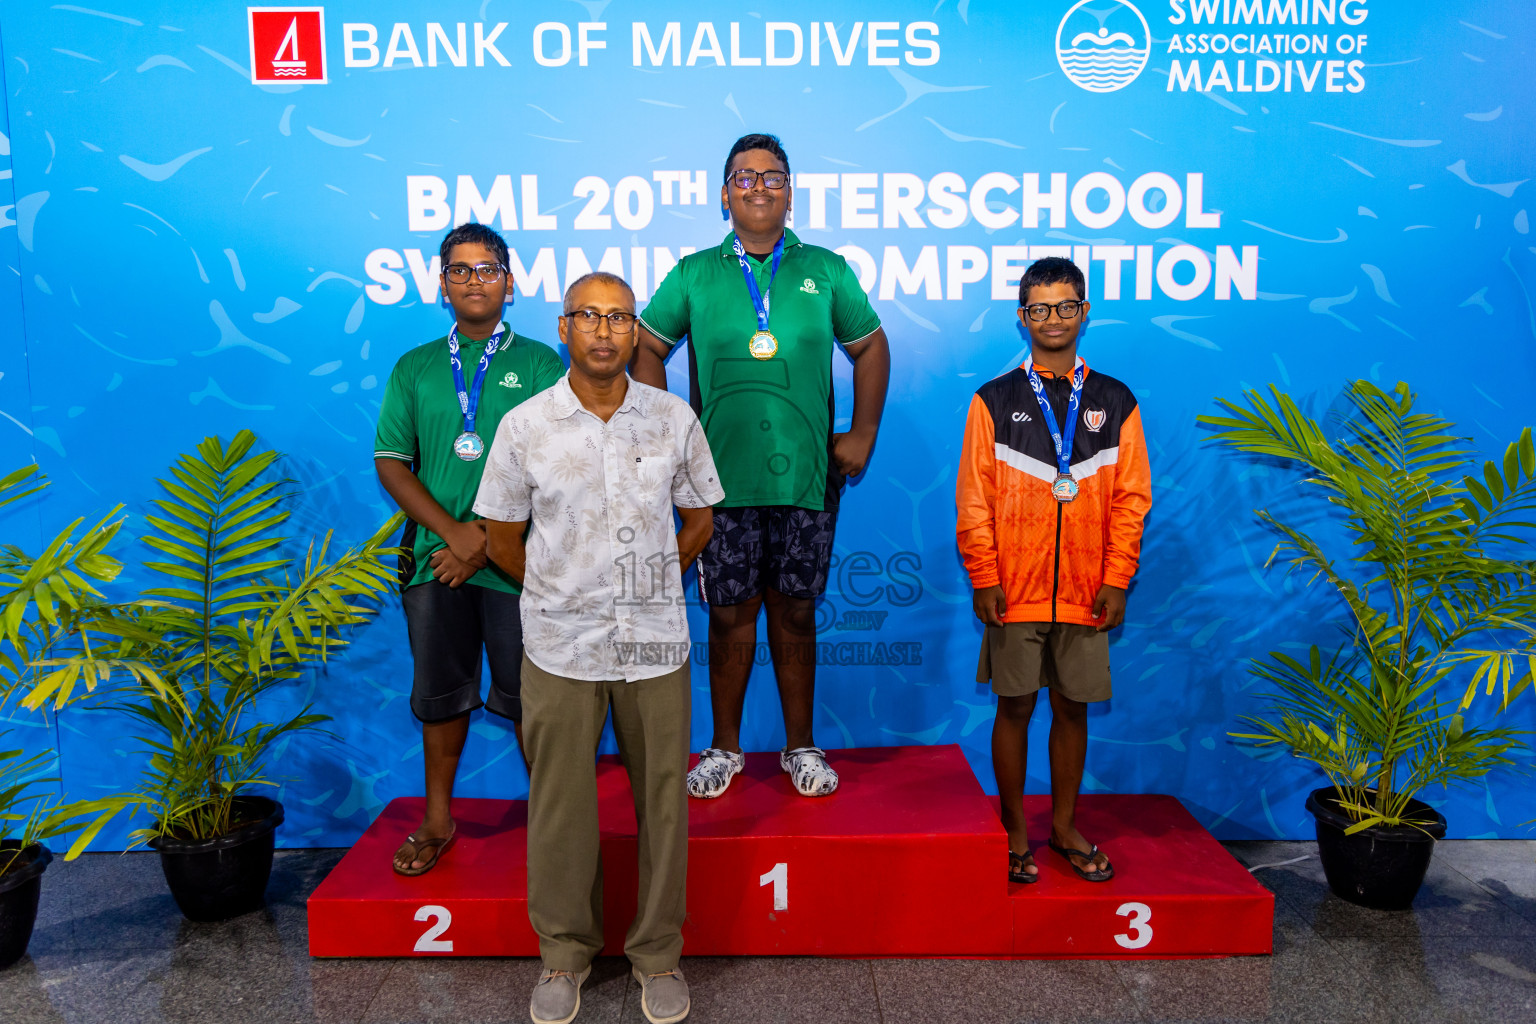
(235, 615)
(43, 599)
(23, 858)
(29, 817)
(1439, 601)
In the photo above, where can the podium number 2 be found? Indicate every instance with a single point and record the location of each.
(1140, 931)
(779, 877)
(429, 941)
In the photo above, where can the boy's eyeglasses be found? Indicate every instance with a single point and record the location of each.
(1040, 311)
(586, 320)
(745, 179)
(488, 273)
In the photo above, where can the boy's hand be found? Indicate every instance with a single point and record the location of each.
(449, 568)
(850, 451)
(990, 605)
(1110, 604)
(467, 542)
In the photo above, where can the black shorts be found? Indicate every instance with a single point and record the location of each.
(755, 547)
(449, 628)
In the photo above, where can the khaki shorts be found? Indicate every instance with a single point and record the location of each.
(1021, 657)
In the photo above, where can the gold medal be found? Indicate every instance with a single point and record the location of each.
(763, 345)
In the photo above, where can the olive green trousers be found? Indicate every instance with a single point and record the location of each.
(562, 723)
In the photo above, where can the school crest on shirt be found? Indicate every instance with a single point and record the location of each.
(511, 381)
(1093, 419)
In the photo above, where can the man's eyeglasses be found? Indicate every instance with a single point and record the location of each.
(586, 320)
(1040, 311)
(488, 273)
(745, 179)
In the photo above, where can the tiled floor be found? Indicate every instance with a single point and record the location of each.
(110, 946)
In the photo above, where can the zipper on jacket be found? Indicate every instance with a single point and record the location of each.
(1056, 576)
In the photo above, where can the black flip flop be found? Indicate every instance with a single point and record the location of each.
(1103, 874)
(1022, 859)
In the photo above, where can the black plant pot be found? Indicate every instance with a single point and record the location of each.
(224, 877)
(19, 887)
(1381, 868)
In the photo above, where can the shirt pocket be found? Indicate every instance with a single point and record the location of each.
(653, 480)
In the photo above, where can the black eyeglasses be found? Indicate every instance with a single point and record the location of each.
(488, 273)
(586, 320)
(745, 179)
(1040, 311)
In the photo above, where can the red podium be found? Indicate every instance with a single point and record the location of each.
(906, 859)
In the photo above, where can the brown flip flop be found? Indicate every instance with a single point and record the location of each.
(438, 846)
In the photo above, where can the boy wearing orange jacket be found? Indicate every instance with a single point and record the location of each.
(1052, 491)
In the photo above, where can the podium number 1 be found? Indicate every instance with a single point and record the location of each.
(1140, 931)
(779, 877)
(429, 941)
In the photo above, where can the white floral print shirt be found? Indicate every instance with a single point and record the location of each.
(602, 575)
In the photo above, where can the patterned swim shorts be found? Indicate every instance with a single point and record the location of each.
(780, 546)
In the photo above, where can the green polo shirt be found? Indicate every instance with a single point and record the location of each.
(420, 417)
(768, 421)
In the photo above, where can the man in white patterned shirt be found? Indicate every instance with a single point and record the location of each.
(592, 469)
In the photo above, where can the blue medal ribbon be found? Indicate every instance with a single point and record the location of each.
(1063, 444)
(469, 400)
(758, 302)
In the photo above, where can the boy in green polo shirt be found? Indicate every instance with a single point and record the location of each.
(443, 401)
(762, 313)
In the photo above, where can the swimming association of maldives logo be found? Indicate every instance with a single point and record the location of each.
(287, 44)
(1102, 45)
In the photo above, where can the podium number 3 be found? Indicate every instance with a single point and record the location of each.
(779, 878)
(429, 941)
(1140, 931)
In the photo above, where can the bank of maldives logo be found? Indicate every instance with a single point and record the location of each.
(1102, 45)
(287, 44)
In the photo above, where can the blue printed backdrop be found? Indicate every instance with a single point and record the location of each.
(194, 254)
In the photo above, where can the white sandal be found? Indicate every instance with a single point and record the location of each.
(808, 769)
(712, 775)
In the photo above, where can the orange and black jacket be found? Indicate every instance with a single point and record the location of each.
(1051, 557)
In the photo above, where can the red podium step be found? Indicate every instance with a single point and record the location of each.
(906, 859)
(1176, 892)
